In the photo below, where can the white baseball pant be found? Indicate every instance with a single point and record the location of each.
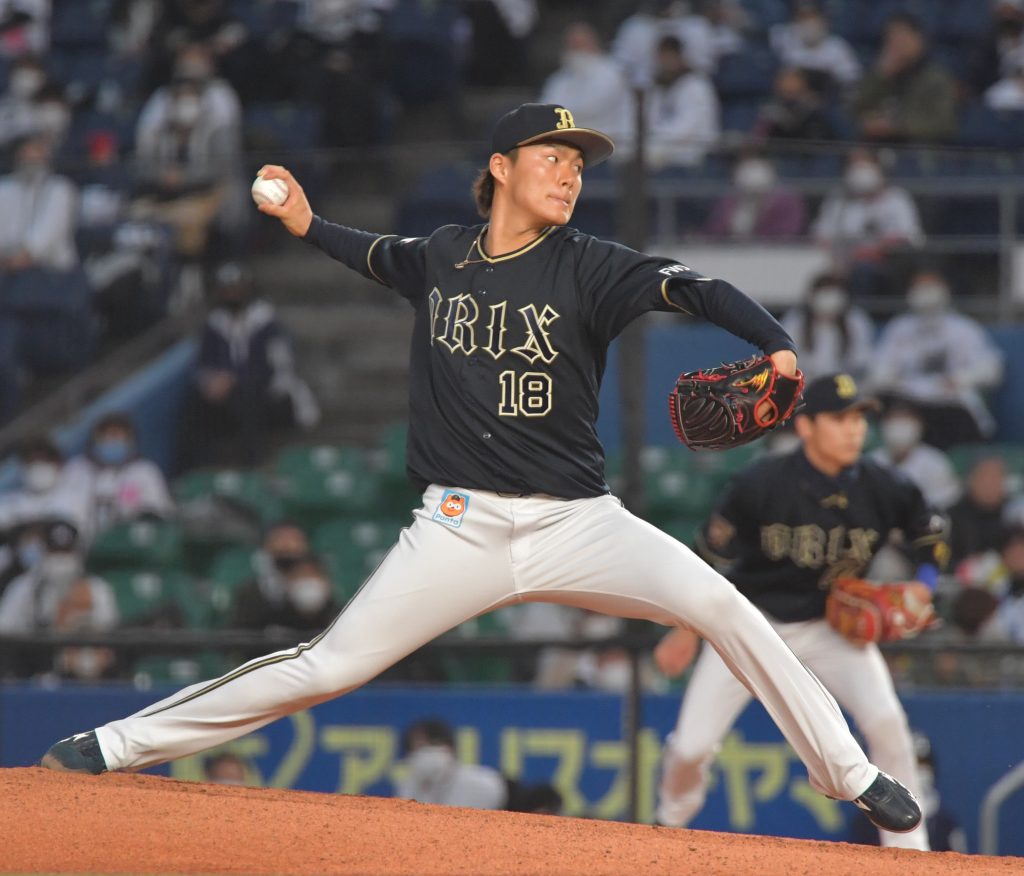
(589, 553)
(714, 699)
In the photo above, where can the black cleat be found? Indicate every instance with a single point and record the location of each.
(889, 805)
(76, 754)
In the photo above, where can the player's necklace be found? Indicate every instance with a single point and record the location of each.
(467, 260)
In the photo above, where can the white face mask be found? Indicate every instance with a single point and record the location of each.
(26, 82)
(185, 111)
(899, 433)
(755, 177)
(863, 178)
(40, 476)
(308, 595)
(431, 763)
(53, 119)
(928, 298)
(828, 302)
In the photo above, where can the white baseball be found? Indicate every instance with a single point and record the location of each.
(269, 191)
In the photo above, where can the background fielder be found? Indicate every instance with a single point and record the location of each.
(513, 321)
(786, 529)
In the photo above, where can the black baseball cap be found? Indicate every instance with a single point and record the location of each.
(833, 394)
(535, 122)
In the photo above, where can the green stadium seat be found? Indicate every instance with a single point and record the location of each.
(251, 491)
(168, 598)
(963, 456)
(179, 670)
(313, 497)
(683, 529)
(479, 668)
(352, 549)
(144, 545)
(301, 459)
(231, 568)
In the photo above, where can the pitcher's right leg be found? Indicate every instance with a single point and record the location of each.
(434, 578)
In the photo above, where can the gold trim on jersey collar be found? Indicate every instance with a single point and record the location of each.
(509, 255)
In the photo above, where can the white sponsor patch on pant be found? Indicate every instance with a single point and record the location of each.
(452, 509)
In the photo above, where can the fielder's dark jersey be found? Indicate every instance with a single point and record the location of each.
(786, 531)
(508, 352)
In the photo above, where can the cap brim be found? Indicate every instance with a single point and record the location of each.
(595, 146)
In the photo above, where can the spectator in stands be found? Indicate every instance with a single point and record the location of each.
(638, 37)
(758, 207)
(435, 775)
(21, 548)
(870, 227)
(284, 547)
(57, 594)
(942, 361)
(794, 111)
(991, 58)
(1008, 621)
(226, 768)
(593, 84)
(307, 599)
(24, 27)
(1007, 94)
(244, 384)
(26, 79)
(832, 334)
(978, 522)
(804, 43)
(682, 110)
(902, 429)
(122, 484)
(48, 489)
(188, 150)
(906, 97)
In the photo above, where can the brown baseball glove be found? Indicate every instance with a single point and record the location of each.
(864, 611)
(733, 404)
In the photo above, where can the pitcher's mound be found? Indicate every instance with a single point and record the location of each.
(68, 823)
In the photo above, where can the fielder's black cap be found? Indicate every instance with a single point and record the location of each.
(535, 122)
(833, 394)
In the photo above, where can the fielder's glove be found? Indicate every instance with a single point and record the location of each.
(733, 404)
(864, 611)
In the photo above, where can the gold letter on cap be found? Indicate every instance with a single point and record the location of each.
(565, 119)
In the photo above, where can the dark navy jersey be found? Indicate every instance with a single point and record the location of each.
(508, 352)
(786, 531)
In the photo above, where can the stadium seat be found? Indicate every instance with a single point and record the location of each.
(747, 74)
(165, 598)
(440, 197)
(231, 568)
(143, 545)
(311, 498)
(352, 549)
(468, 668)
(251, 491)
(298, 459)
(740, 115)
(281, 127)
(963, 456)
(981, 126)
(75, 23)
(963, 20)
(179, 670)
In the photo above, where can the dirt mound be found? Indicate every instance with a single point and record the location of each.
(60, 823)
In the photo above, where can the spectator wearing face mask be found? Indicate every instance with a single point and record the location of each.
(244, 382)
(805, 43)
(434, 773)
(757, 208)
(593, 85)
(870, 227)
(56, 594)
(123, 485)
(47, 489)
(902, 430)
(1007, 94)
(906, 97)
(991, 58)
(682, 110)
(25, 81)
(940, 360)
(281, 593)
(189, 149)
(833, 335)
(794, 112)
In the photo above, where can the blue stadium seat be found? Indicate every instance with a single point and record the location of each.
(282, 126)
(748, 74)
(441, 197)
(740, 115)
(982, 126)
(75, 23)
(963, 20)
(765, 13)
